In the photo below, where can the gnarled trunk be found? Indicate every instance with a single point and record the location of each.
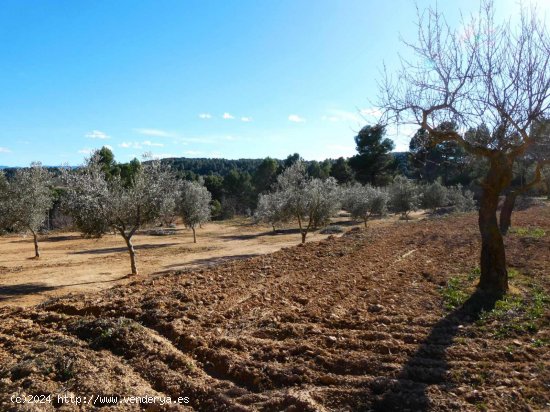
(36, 249)
(494, 276)
(194, 234)
(505, 220)
(129, 244)
(303, 231)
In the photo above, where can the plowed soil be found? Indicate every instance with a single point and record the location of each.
(71, 263)
(354, 323)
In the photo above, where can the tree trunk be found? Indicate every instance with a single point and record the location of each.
(510, 200)
(36, 249)
(128, 240)
(494, 276)
(365, 221)
(505, 220)
(194, 234)
(302, 231)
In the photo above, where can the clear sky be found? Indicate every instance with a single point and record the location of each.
(202, 78)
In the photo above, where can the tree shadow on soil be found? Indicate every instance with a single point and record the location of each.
(356, 222)
(12, 291)
(347, 223)
(213, 261)
(8, 292)
(122, 249)
(248, 236)
(62, 238)
(428, 365)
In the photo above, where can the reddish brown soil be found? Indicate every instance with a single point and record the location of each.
(71, 263)
(355, 323)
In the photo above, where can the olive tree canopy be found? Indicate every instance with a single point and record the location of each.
(271, 209)
(98, 204)
(311, 201)
(194, 205)
(364, 201)
(26, 200)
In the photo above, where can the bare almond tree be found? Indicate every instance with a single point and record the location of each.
(483, 73)
(98, 204)
(27, 199)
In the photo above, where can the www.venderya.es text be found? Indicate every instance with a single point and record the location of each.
(98, 400)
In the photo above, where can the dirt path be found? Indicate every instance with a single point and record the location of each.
(347, 324)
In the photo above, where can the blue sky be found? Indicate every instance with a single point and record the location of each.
(241, 79)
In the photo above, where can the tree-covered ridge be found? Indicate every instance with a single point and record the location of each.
(207, 166)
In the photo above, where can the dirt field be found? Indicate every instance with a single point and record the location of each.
(382, 319)
(70, 263)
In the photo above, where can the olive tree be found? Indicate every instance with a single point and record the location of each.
(168, 212)
(27, 199)
(403, 196)
(271, 209)
(310, 201)
(434, 195)
(292, 186)
(484, 72)
(324, 200)
(364, 201)
(194, 205)
(98, 204)
(459, 199)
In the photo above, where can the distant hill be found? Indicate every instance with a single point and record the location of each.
(204, 166)
(219, 166)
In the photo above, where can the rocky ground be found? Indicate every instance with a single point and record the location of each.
(379, 319)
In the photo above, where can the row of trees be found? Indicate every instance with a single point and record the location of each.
(237, 190)
(312, 201)
(100, 202)
(235, 185)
